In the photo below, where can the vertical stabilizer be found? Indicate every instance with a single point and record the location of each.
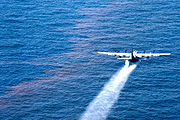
(132, 56)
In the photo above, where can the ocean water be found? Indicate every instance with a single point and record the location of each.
(50, 69)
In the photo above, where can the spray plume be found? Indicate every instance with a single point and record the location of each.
(100, 107)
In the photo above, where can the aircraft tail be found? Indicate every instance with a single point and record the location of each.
(131, 56)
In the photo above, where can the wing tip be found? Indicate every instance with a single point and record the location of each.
(167, 53)
(100, 52)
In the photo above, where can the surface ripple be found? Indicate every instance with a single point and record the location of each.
(50, 68)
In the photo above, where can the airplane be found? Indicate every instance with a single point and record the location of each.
(134, 56)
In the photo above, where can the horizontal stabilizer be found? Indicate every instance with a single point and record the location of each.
(124, 58)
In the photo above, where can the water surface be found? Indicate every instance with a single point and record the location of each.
(50, 68)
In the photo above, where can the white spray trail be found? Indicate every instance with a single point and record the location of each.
(100, 107)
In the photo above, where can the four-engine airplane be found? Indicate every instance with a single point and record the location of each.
(134, 56)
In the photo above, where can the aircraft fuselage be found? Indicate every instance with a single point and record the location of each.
(133, 57)
(134, 60)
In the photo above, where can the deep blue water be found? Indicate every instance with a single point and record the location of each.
(50, 69)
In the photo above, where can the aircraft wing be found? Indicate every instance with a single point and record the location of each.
(151, 54)
(116, 54)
